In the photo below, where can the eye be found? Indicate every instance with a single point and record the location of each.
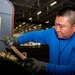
(61, 26)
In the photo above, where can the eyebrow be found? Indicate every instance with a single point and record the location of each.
(58, 24)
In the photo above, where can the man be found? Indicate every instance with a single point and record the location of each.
(61, 42)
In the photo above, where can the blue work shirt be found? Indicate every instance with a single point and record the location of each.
(61, 51)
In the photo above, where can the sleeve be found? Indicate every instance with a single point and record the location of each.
(60, 69)
(34, 36)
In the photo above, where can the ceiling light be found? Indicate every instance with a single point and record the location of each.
(20, 25)
(39, 12)
(53, 26)
(40, 25)
(26, 30)
(16, 27)
(23, 22)
(47, 21)
(30, 18)
(29, 28)
(53, 3)
(34, 27)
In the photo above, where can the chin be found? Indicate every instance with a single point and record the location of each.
(60, 37)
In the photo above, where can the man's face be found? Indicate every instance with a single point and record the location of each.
(63, 28)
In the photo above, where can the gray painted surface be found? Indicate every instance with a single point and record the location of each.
(5, 22)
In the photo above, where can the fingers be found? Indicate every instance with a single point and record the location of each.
(32, 65)
(9, 41)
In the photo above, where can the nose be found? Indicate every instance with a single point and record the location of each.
(57, 28)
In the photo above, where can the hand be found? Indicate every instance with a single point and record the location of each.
(34, 65)
(9, 41)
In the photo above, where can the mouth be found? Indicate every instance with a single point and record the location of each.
(59, 35)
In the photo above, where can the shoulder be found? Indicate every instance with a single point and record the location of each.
(50, 30)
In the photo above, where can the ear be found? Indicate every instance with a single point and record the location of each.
(74, 27)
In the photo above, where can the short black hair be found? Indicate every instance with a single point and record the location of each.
(69, 12)
(64, 10)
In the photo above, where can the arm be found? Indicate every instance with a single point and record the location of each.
(37, 36)
(34, 36)
(35, 66)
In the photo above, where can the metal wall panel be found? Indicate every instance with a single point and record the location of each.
(6, 21)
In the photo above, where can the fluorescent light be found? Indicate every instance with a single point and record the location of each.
(39, 12)
(23, 22)
(53, 26)
(34, 27)
(30, 18)
(26, 30)
(40, 25)
(47, 21)
(20, 25)
(53, 3)
(29, 28)
(16, 27)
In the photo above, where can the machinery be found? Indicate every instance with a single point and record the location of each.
(7, 62)
(6, 21)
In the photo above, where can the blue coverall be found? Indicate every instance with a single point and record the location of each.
(61, 51)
